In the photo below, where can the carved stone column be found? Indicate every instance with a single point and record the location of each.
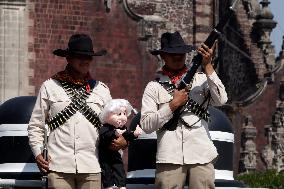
(252, 8)
(248, 152)
(273, 153)
(264, 25)
(107, 4)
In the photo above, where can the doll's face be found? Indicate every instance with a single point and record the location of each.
(117, 119)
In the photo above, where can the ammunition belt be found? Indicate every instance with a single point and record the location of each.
(197, 109)
(78, 97)
(191, 105)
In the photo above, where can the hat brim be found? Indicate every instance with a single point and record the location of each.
(174, 50)
(65, 52)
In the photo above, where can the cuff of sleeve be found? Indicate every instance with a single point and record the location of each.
(213, 79)
(36, 151)
(166, 113)
(213, 76)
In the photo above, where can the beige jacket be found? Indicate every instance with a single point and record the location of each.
(183, 145)
(73, 145)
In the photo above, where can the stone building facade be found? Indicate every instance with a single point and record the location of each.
(247, 64)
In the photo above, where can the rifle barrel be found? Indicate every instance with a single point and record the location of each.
(196, 62)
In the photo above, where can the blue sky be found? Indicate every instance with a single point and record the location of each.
(277, 8)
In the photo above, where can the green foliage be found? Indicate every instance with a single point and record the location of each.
(268, 179)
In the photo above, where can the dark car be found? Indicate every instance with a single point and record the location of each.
(17, 163)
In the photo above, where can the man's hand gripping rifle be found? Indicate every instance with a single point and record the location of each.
(196, 62)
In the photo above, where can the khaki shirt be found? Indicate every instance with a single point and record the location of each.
(184, 145)
(73, 146)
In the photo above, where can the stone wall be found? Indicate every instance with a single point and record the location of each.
(31, 29)
(53, 22)
(14, 67)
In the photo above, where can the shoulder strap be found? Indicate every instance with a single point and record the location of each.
(168, 86)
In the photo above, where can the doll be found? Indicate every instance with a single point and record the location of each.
(114, 117)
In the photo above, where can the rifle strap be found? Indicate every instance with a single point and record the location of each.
(78, 96)
(191, 105)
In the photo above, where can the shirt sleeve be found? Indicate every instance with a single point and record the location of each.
(153, 117)
(36, 127)
(217, 90)
(104, 92)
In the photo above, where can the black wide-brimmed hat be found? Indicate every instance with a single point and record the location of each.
(80, 44)
(172, 43)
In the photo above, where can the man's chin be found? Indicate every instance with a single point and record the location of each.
(179, 67)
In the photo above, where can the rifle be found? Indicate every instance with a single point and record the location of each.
(45, 156)
(196, 62)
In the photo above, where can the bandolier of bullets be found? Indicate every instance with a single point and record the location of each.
(78, 97)
(191, 105)
(194, 107)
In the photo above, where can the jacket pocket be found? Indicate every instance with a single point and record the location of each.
(162, 102)
(58, 96)
(57, 102)
(164, 98)
(95, 102)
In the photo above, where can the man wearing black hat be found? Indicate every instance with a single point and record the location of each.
(187, 150)
(69, 103)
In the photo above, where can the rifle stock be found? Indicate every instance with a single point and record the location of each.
(196, 62)
(45, 156)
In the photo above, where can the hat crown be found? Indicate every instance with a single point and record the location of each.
(170, 40)
(80, 43)
(172, 43)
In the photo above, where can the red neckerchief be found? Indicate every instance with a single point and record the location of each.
(174, 76)
(65, 76)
